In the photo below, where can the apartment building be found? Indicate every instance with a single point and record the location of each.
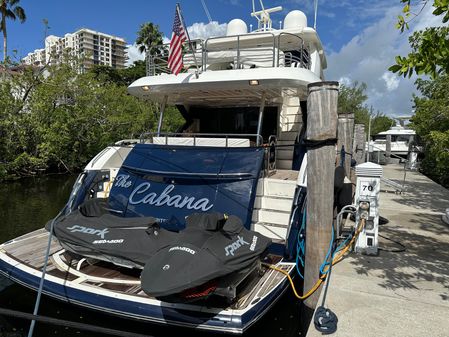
(93, 47)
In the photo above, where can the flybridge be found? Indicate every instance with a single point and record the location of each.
(265, 47)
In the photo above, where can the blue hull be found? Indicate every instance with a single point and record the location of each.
(162, 313)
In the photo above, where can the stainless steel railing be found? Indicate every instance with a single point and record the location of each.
(148, 136)
(255, 50)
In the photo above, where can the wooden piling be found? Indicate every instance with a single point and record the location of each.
(344, 135)
(388, 150)
(359, 143)
(358, 147)
(321, 136)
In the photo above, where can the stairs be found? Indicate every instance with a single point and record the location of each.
(290, 123)
(272, 207)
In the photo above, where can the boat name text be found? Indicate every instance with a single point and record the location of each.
(122, 181)
(140, 196)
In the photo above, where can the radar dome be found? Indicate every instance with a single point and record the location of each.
(236, 27)
(295, 19)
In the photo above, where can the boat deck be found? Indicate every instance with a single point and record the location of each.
(30, 250)
(290, 175)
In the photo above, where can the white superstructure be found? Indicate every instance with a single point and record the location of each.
(252, 83)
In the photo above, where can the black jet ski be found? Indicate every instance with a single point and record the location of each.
(92, 231)
(211, 246)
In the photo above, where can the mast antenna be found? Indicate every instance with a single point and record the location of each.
(263, 16)
(316, 12)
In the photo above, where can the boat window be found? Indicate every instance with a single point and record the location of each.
(238, 120)
(402, 138)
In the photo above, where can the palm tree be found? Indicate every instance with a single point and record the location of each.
(148, 37)
(9, 9)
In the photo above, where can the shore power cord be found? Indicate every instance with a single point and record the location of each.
(325, 320)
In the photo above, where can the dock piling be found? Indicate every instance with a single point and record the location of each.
(321, 139)
(344, 135)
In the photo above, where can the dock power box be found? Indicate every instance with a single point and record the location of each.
(367, 204)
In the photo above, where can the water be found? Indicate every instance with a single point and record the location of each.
(26, 205)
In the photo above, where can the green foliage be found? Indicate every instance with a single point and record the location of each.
(429, 56)
(125, 76)
(149, 37)
(61, 120)
(351, 99)
(430, 47)
(431, 122)
(441, 8)
(9, 9)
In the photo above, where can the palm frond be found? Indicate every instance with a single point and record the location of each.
(20, 13)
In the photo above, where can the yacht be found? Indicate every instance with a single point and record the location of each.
(403, 139)
(195, 228)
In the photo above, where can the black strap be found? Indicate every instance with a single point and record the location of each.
(313, 144)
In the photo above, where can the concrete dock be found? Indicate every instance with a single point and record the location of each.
(398, 294)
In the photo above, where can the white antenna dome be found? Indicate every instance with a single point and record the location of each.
(236, 27)
(295, 19)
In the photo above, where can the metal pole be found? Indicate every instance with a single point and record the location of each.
(259, 123)
(161, 115)
(369, 139)
(178, 9)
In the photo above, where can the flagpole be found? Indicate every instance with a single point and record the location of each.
(178, 9)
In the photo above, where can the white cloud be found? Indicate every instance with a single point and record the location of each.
(201, 30)
(368, 55)
(345, 81)
(134, 54)
(391, 80)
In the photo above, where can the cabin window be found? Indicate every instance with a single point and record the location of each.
(238, 120)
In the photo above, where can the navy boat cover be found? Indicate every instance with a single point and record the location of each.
(172, 182)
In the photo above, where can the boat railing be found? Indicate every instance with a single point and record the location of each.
(202, 139)
(255, 50)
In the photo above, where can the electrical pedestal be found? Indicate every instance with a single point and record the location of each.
(367, 203)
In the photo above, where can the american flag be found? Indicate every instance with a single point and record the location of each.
(178, 37)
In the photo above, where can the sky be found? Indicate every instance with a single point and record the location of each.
(359, 36)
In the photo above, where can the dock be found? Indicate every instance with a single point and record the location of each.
(397, 293)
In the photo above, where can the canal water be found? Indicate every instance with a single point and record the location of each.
(27, 204)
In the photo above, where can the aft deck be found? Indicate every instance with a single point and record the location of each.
(29, 250)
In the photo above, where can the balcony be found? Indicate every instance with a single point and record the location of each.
(255, 50)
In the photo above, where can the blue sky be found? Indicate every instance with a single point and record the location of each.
(358, 35)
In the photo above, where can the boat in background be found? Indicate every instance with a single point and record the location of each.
(239, 153)
(403, 141)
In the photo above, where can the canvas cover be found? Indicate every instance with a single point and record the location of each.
(92, 231)
(209, 247)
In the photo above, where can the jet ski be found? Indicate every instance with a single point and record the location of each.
(211, 246)
(92, 231)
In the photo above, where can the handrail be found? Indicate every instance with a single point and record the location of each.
(257, 52)
(202, 175)
(301, 50)
(238, 36)
(200, 135)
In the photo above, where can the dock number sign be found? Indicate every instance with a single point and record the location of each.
(367, 187)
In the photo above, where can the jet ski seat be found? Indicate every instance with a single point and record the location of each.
(210, 247)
